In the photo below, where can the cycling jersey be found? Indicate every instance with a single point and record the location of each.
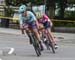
(29, 18)
(43, 18)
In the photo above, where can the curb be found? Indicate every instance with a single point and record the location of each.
(64, 29)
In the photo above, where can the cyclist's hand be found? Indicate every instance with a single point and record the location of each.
(22, 28)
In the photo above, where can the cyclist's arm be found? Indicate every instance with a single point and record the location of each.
(20, 22)
(33, 16)
(51, 24)
(37, 23)
(35, 19)
(46, 17)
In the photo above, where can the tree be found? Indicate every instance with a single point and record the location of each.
(8, 11)
(62, 4)
(50, 8)
(18, 2)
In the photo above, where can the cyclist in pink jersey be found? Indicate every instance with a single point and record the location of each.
(47, 24)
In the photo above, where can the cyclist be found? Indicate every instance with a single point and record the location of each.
(43, 19)
(27, 19)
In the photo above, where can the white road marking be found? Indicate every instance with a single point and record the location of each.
(11, 51)
(0, 59)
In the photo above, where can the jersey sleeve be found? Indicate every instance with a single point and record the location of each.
(45, 16)
(33, 16)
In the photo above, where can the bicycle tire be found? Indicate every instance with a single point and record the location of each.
(38, 51)
(36, 45)
(45, 42)
(50, 44)
(47, 45)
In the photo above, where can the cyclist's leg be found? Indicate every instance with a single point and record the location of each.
(43, 32)
(52, 37)
(28, 34)
(48, 28)
(26, 27)
(35, 30)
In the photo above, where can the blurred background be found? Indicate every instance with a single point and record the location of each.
(61, 12)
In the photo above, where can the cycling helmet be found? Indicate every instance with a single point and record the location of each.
(22, 8)
(38, 15)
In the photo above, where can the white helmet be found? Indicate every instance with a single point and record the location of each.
(22, 8)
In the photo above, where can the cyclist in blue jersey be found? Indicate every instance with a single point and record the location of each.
(27, 19)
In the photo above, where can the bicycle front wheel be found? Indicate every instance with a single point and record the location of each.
(51, 44)
(36, 46)
(38, 50)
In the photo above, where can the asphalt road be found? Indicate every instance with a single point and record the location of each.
(25, 51)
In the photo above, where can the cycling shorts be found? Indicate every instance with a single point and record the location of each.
(46, 24)
(30, 24)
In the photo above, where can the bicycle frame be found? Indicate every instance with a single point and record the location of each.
(35, 44)
(49, 42)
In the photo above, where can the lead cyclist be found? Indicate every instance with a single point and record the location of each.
(26, 20)
(43, 19)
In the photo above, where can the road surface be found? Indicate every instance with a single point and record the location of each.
(25, 51)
